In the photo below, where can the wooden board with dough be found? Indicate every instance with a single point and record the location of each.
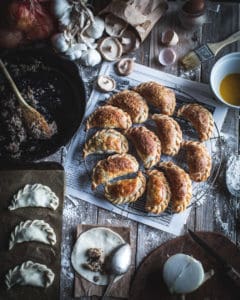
(148, 281)
(13, 179)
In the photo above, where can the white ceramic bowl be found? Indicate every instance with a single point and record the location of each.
(226, 65)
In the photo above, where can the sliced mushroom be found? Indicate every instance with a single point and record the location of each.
(106, 83)
(110, 48)
(129, 41)
(114, 26)
(125, 66)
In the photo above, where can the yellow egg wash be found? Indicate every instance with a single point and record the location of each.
(230, 89)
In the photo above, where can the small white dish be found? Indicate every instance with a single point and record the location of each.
(228, 64)
(167, 56)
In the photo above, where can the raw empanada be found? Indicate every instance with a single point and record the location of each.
(169, 133)
(132, 103)
(147, 145)
(106, 141)
(126, 190)
(34, 195)
(37, 230)
(198, 160)
(158, 96)
(200, 118)
(180, 185)
(109, 116)
(158, 192)
(30, 273)
(112, 167)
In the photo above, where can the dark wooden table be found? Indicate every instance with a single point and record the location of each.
(220, 212)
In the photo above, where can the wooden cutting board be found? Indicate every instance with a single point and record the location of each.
(148, 282)
(120, 289)
(11, 180)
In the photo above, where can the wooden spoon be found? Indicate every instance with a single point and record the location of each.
(35, 122)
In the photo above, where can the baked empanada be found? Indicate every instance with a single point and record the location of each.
(126, 190)
(132, 103)
(158, 192)
(112, 167)
(109, 116)
(169, 133)
(158, 96)
(200, 118)
(198, 159)
(147, 145)
(106, 141)
(180, 185)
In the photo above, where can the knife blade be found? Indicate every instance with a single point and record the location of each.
(230, 271)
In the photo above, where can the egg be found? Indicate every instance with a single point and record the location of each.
(194, 6)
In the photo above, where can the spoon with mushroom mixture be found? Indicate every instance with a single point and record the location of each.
(117, 264)
(35, 122)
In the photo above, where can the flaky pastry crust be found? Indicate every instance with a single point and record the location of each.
(158, 96)
(132, 103)
(200, 118)
(180, 185)
(198, 159)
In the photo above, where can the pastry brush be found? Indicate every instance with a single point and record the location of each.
(194, 58)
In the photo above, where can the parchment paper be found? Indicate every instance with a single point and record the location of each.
(10, 182)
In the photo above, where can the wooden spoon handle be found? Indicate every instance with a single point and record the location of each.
(13, 85)
(106, 292)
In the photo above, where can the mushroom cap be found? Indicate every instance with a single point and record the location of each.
(125, 66)
(114, 26)
(129, 41)
(110, 48)
(106, 83)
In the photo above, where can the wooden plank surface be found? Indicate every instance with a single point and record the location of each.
(214, 214)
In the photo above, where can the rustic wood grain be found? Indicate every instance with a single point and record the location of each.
(214, 214)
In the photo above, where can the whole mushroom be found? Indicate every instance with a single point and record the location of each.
(110, 48)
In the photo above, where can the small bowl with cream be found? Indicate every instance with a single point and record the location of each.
(225, 79)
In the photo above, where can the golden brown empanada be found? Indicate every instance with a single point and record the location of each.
(108, 116)
(158, 96)
(106, 141)
(169, 133)
(112, 167)
(147, 145)
(200, 118)
(126, 190)
(158, 192)
(180, 185)
(198, 160)
(132, 103)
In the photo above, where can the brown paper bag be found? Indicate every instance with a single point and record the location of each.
(142, 15)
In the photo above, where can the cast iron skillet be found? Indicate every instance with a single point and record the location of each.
(61, 98)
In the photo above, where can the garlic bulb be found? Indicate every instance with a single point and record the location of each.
(59, 42)
(91, 57)
(183, 274)
(96, 28)
(75, 52)
(60, 7)
(65, 19)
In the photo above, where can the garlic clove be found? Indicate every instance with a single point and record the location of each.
(106, 83)
(59, 7)
(170, 38)
(96, 29)
(59, 42)
(114, 26)
(110, 48)
(183, 274)
(75, 52)
(65, 19)
(125, 66)
(129, 41)
(91, 57)
(167, 56)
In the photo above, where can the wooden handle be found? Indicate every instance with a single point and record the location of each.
(111, 280)
(234, 275)
(13, 85)
(216, 47)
